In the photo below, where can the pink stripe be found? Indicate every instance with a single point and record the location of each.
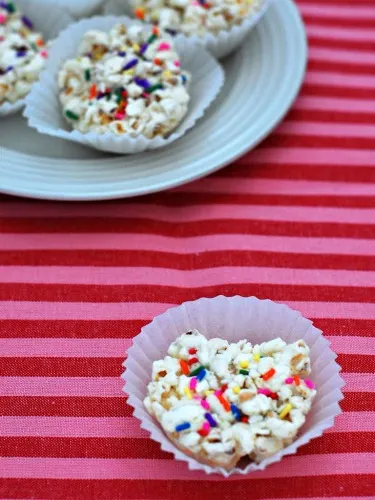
(129, 427)
(329, 78)
(183, 279)
(114, 348)
(197, 212)
(278, 186)
(325, 129)
(96, 468)
(338, 33)
(321, 156)
(65, 348)
(146, 310)
(344, 12)
(199, 244)
(341, 55)
(112, 386)
(336, 104)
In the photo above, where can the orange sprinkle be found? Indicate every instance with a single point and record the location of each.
(224, 402)
(269, 374)
(158, 61)
(155, 30)
(184, 367)
(40, 42)
(140, 12)
(297, 380)
(93, 91)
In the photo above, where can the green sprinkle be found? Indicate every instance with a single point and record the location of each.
(151, 39)
(72, 116)
(196, 371)
(34, 47)
(244, 372)
(157, 86)
(11, 8)
(119, 96)
(87, 75)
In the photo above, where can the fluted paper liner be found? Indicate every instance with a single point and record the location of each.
(44, 111)
(219, 45)
(234, 319)
(49, 22)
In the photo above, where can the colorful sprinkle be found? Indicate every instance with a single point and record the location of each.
(130, 65)
(157, 86)
(204, 404)
(208, 393)
(289, 380)
(158, 61)
(236, 389)
(210, 419)
(256, 357)
(21, 53)
(245, 419)
(72, 116)
(93, 91)
(10, 7)
(285, 410)
(140, 12)
(192, 361)
(152, 39)
(3, 19)
(177, 63)
(26, 21)
(205, 430)
(40, 43)
(236, 411)
(196, 371)
(269, 374)
(266, 392)
(142, 82)
(224, 387)
(310, 384)
(164, 46)
(119, 116)
(182, 427)
(192, 350)
(155, 30)
(143, 49)
(188, 393)
(44, 54)
(297, 380)
(87, 75)
(201, 375)
(121, 53)
(184, 79)
(244, 372)
(244, 364)
(193, 383)
(184, 367)
(167, 74)
(223, 401)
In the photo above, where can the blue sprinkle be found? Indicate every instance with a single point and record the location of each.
(21, 53)
(201, 375)
(143, 48)
(142, 82)
(236, 411)
(184, 79)
(171, 32)
(210, 419)
(130, 64)
(182, 427)
(122, 53)
(26, 21)
(9, 68)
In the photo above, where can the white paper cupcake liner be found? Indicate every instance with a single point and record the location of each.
(78, 8)
(219, 45)
(234, 319)
(44, 112)
(49, 22)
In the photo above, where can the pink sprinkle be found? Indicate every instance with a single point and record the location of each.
(218, 393)
(3, 19)
(310, 384)
(44, 54)
(119, 116)
(193, 383)
(206, 426)
(147, 96)
(164, 46)
(266, 392)
(195, 4)
(289, 380)
(177, 63)
(205, 404)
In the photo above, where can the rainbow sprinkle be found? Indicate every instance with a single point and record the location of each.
(193, 383)
(285, 411)
(205, 430)
(210, 419)
(310, 384)
(236, 412)
(201, 375)
(289, 380)
(196, 371)
(184, 367)
(182, 427)
(269, 374)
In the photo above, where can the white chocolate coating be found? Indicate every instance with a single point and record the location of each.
(22, 54)
(196, 17)
(110, 85)
(255, 394)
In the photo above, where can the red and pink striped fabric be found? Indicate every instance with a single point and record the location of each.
(293, 221)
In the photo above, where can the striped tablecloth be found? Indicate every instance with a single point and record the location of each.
(293, 221)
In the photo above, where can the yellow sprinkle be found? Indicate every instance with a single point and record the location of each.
(136, 47)
(285, 411)
(236, 389)
(187, 391)
(154, 16)
(167, 74)
(208, 393)
(244, 364)
(128, 72)
(256, 357)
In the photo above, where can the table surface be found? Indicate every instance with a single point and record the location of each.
(293, 221)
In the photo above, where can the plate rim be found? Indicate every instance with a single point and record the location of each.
(40, 194)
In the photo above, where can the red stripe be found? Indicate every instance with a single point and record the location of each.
(196, 228)
(144, 258)
(302, 487)
(347, 442)
(339, 22)
(117, 406)
(111, 367)
(312, 141)
(334, 91)
(340, 43)
(350, 67)
(129, 328)
(330, 116)
(152, 293)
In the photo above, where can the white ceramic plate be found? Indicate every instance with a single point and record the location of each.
(262, 81)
